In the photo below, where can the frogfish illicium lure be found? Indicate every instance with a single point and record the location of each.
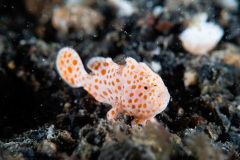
(132, 89)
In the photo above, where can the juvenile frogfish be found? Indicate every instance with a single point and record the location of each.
(132, 89)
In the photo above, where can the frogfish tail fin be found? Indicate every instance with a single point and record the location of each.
(70, 67)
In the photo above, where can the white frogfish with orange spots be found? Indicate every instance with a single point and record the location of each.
(132, 89)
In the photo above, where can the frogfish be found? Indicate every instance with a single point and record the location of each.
(132, 89)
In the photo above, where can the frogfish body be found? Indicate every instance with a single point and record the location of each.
(132, 89)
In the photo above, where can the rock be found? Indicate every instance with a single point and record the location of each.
(236, 119)
(216, 77)
(43, 11)
(152, 142)
(229, 54)
(214, 131)
(47, 147)
(190, 78)
(91, 138)
(232, 59)
(176, 138)
(8, 156)
(224, 121)
(164, 26)
(79, 18)
(125, 150)
(235, 138)
(199, 147)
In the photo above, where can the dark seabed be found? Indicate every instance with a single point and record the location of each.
(41, 117)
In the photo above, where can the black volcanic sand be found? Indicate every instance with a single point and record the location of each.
(41, 117)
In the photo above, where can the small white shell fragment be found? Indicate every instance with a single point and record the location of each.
(190, 78)
(201, 36)
(156, 66)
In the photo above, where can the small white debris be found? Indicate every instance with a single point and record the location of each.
(125, 8)
(190, 78)
(50, 133)
(156, 66)
(156, 51)
(157, 11)
(67, 105)
(11, 65)
(201, 36)
(238, 108)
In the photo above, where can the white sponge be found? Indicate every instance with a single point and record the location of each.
(201, 36)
